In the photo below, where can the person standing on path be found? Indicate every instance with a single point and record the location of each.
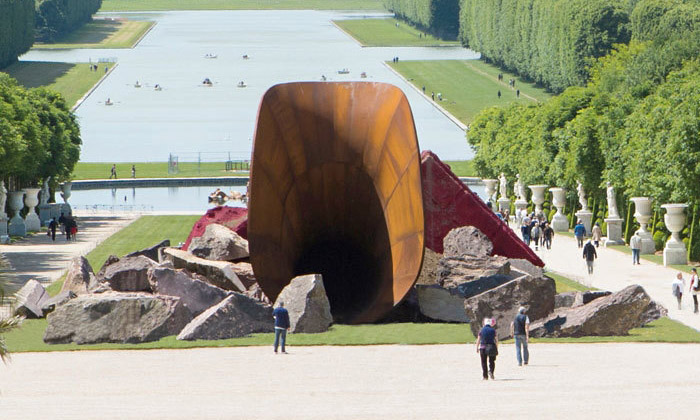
(520, 330)
(547, 235)
(677, 288)
(487, 347)
(579, 232)
(596, 233)
(52, 229)
(114, 172)
(694, 288)
(636, 245)
(589, 255)
(535, 235)
(133, 171)
(281, 325)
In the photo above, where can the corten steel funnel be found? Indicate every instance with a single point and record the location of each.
(335, 189)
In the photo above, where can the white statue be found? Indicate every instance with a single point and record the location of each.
(503, 186)
(612, 203)
(3, 199)
(44, 199)
(519, 189)
(582, 196)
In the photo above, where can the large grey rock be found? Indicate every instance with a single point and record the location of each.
(29, 300)
(219, 243)
(536, 294)
(80, 278)
(429, 271)
(610, 315)
(51, 303)
(219, 273)
(257, 293)
(459, 270)
(306, 301)
(244, 271)
(109, 261)
(588, 296)
(151, 252)
(235, 316)
(116, 318)
(196, 295)
(565, 300)
(466, 240)
(129, 274)
(526, 266)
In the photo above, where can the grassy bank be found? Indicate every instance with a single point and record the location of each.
(102, 33)
(70, 80)
(389, 33)
(152, 170)
(146, 5)
(467, 86)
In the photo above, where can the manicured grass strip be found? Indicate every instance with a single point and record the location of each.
(146, 5)
(656, 259)
(102, 33)
(465, 85)
(386, 33)
(462, 167)
(70, 80)
(663, 330)
(564, 284)
(85, 170)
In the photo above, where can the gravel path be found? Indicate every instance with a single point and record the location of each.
(376, 382)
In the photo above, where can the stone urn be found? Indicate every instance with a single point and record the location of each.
(17, 227)
(642, 212)
(675, 218)
(490, 185)
(65, 191)
(31, 200)
(538, 196)
(559, 221)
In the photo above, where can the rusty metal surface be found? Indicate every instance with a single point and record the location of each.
(335, 189)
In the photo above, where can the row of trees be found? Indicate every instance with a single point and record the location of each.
(16, 29)
(39, 136)
(438, 17)
(55, 18)
(548, 41)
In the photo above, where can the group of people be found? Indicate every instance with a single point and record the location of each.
(679, 284)
(68, 225)
(487, 342)
(536, 229)
(113, 172)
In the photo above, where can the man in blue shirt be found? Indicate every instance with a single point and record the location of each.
(281, 325)
(487, 347)
(520, 330)
(579, 233)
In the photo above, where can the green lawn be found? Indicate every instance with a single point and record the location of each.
(567, 285)
(86, 170)
(102, 33)
(462, 167)
(145, 5)
(70, 80)
(467, 86)
(386, 33)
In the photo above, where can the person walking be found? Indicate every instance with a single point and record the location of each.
(525, 230)
(52, 229)
(694, 288)
(579, 233)
(520, 330)
(487, 347)
(547, 235)
(636, 245)
(677, 288)
(535, 235)
(589, 255)
(133, 171)
(281, 317)
(596, 234)
(114, 172)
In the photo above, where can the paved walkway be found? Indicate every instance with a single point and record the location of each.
(613, 270)
(573, 381)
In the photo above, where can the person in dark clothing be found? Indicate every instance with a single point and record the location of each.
(520, 330)
(281, 325)
(487, 347)
(499, 94)
(52, 229)
(589, 255)
(547, 234)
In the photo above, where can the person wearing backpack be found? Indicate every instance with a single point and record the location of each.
(535, 234)
(695, 288)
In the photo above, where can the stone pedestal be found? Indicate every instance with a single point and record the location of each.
(614, 232)
(520, 204)
(3, 224)
(503, 204)
(31, 200)
(674, 251)
(642, 212)
(586, 217)
(16, 226)
(538, 196)
(559, 222)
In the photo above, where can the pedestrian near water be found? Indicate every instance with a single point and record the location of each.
(579, 233)
(636, 245)
(694, 288)
(52, 229)
(589, 254)
(677, 288)
(114, 172)
(520, 330)
(517, 93)
(432, 95)
(281, 325)
(487, 347)
(499, 94)
(596, 233)
(133, 171)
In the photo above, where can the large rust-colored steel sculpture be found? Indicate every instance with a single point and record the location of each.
(335, 188)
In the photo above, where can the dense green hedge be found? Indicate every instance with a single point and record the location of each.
(16, 29)
(548, 41)
(439, 17)
(58, 17)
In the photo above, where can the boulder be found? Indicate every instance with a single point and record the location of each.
(29, 300)
(151, 252)
(244, 271)
(110, 260)
(466, 240)
(460, 270)
(429, 270)
(610, 315)
(196, 295)
(408, 310)
(536, 294)
(80, 277)
(234, 218)
(116, 318)
(51, 303)
(306, 301)
(235, 316)
(565, 300)
(129, 274)
(588, 296)
(219, 273)
(256, 292)
(526, 266)
(219, 243)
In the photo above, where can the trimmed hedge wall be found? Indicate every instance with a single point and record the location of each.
(439, 17)
(16, 29)
(58, 17)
